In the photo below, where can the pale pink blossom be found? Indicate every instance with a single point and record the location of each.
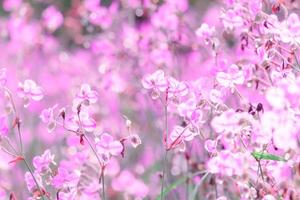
(42, 163)
(29, 90)
(233, 76)
(107, 146)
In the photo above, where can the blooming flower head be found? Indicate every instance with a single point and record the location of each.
(156, 82)
(41, 163)
(84, 120)
(86, 96)
(176, 88)
(108, 147)
(29, 90)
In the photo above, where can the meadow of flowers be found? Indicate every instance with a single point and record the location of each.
(149, 99)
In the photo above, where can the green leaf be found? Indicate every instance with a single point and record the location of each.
(174, 185)
(194, 193)
(266, 156)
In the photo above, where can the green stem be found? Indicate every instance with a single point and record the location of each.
(166, 153)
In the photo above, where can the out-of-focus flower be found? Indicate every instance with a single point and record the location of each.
(205, 32)
(232, 77)
(3, 126)
(47, 116)
(276, 98)
(29, 90)
(10, 5)
(41, 163)
(126, 182)
(3, 78)
(53, 18)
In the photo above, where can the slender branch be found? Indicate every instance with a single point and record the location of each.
(166, 152)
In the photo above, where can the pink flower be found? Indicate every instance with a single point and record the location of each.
(210, 145)
(126, 182)
(10, 5)
(53, 19)
(205, 32)
(176, 88)
(155, 82)
(178, 136)
(86, 95)
(64, 178)
(29, 90)
(87, 122)
(47, 116)
(232, 77)
(41, 163)
(108, 147)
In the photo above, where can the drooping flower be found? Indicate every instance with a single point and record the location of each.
(29, 90)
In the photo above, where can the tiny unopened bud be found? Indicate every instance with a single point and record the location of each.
(79, 108)
(62, 113)
(135, 140)
(259, 107)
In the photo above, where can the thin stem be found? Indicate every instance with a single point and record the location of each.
(261, 171)
(166, 152)
(95, 153)
(20, 138)
(37, 185)
(99, 161)
(103, 183)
